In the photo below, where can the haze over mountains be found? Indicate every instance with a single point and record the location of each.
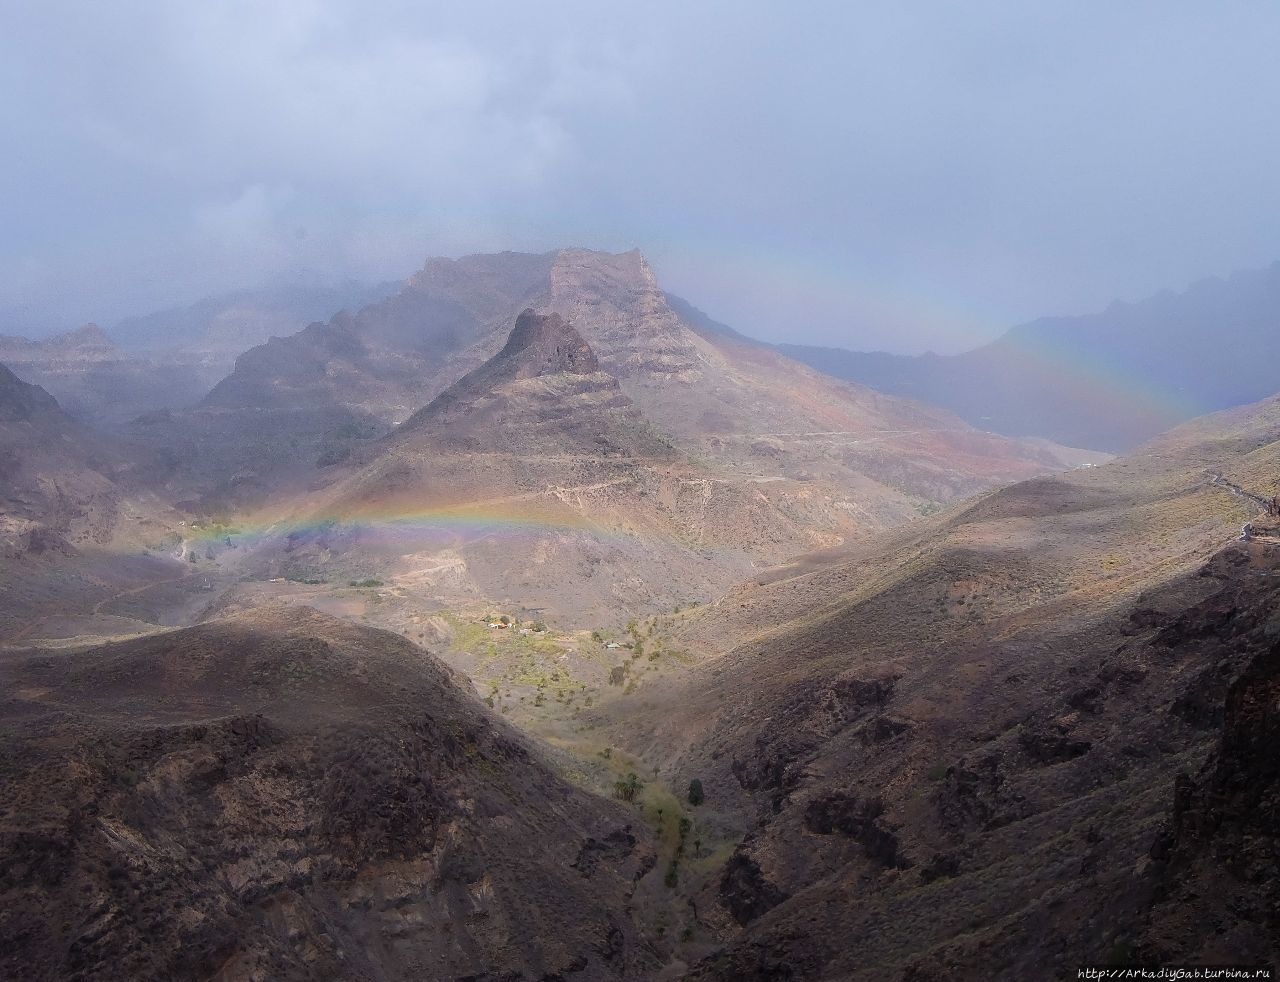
(1108, 380)
(400, 651)
(378, 366)
(550, 610)
(171, 358)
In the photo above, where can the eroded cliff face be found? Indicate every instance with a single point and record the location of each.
(626, 316)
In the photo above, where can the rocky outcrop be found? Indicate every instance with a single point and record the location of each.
(633, 327)
(858, 818)
(745, 891)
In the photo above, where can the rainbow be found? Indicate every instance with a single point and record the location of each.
(1121, 389)
(391, 522)
(735, 269)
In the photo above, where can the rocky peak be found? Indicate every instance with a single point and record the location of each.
(546, 344)
(540, 346)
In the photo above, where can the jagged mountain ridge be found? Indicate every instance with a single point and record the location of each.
(170, 359)
(586, 409)
(221, 327)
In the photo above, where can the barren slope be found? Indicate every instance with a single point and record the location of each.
(535, 479)
(284, 795)
(958, 746)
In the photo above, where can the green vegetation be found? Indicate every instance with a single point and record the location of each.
(627, 789)
(672, 878)
(696, 796)
(370, 582)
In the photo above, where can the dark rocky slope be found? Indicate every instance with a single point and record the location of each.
(287, 796)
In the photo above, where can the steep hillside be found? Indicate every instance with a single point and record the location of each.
(734, 403)
(535, 479)
(960, 745)
(171, 359)
(1109, 380)
(285, 795)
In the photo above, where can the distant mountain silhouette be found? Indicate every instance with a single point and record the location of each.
(1106, 381)
(229, 323)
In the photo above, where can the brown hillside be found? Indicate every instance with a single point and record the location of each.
(286, 795)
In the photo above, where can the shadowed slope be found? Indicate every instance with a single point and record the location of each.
(959, 745)
(286, 795)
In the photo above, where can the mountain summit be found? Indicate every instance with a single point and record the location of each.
(545, 344)
(543, 392)
(540, 441)
(540, 345)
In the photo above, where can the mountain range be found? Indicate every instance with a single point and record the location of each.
(526, 623)
(738, 405)
(1108, 380)
(171, 358)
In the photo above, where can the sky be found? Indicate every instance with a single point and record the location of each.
(904, 176)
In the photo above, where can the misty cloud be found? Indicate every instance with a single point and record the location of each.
(904, 176)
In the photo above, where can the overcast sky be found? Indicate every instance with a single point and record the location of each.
(898, 175)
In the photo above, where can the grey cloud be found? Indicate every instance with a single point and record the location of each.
(875, 174)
